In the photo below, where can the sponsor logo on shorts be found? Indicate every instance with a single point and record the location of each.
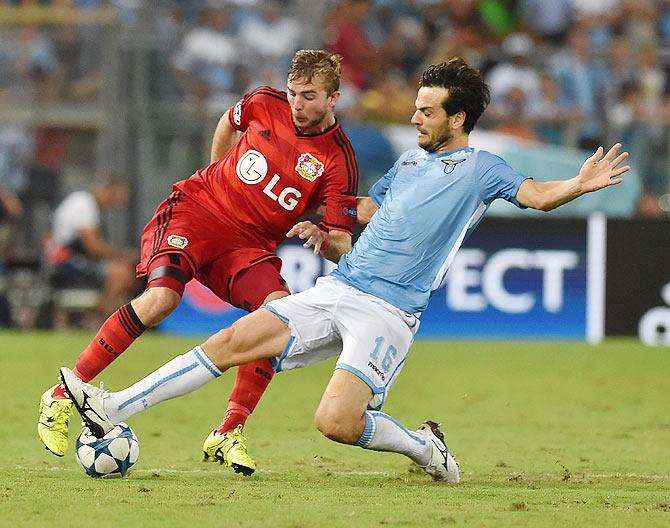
(237, 113)
(377, 370)
(309, 167)
(177, 241)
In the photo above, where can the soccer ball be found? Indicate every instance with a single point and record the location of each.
(112, 455)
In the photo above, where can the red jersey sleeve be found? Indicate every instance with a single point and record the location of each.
(251, 106)
(339, 189)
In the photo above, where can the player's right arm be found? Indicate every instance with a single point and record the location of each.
(225, 136)
(236, 120)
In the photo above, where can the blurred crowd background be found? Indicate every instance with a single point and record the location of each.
(92, 90)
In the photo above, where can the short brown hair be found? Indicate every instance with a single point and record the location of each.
(308, 63)
(467, 90)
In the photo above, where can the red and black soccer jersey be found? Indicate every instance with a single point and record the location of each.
(273, 175)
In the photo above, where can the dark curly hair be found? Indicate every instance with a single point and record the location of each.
(467, 90)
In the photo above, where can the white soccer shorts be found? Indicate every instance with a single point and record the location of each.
(371, 336)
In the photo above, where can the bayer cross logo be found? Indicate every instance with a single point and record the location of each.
(252, 167)
(450, 165)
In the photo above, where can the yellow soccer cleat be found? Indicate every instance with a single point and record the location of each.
(52, 425)
(229, 449)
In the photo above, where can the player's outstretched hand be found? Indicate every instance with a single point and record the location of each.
(309, 232)
(601, 171)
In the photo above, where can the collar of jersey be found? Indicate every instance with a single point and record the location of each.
(450, 152)
(329, 129)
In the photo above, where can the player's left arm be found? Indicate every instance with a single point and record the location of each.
(332, 244)
(598, 172)
(365, 209)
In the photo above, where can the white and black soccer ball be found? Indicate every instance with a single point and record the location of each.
(112, 455)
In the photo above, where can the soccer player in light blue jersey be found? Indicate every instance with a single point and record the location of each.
(368, 310)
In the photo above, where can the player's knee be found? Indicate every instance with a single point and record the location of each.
(336, 425)
(224, 348)
(155, 304)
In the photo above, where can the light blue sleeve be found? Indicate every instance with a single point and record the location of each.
(497, 179)
(378, 190)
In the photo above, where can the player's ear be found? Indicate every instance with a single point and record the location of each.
(333, 98)
(457, 120)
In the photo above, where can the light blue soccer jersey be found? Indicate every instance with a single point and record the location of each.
(428, 205)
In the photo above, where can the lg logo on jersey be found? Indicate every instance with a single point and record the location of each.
(252, 168)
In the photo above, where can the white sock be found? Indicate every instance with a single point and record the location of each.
(180, 376)
(383, 433)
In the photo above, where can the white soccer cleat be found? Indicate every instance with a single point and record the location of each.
(442, 465)
(89, 402)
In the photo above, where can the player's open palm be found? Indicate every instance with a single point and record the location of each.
(601, 171)
(307, 230)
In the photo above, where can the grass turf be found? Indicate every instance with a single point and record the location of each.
(548, 434)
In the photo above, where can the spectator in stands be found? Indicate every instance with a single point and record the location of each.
(598, 18)
(205, 62)
(581, 81)
(511, 116)
(641, 19)
(79, 253)
(30, 64)
(15, 151)
(514, 71)
(645, 129)
(664, 22)
(405, 44)
(390, 100)
(346, 37)
(457, 30)
(270, 40)
(548, 116)
(547, 20)
(622, 71)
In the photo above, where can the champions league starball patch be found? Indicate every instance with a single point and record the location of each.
(349, 211)
(309, 167)
(237, 113)
(177, 241)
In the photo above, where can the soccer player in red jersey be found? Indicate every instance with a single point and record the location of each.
(275, 156)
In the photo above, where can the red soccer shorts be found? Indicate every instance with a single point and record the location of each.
(238, 267)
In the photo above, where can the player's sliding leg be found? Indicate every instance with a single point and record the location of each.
(258, 335)
(343, 417)
(167, 277)
(227, 444)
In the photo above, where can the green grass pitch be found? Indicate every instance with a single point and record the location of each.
(547, 434)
